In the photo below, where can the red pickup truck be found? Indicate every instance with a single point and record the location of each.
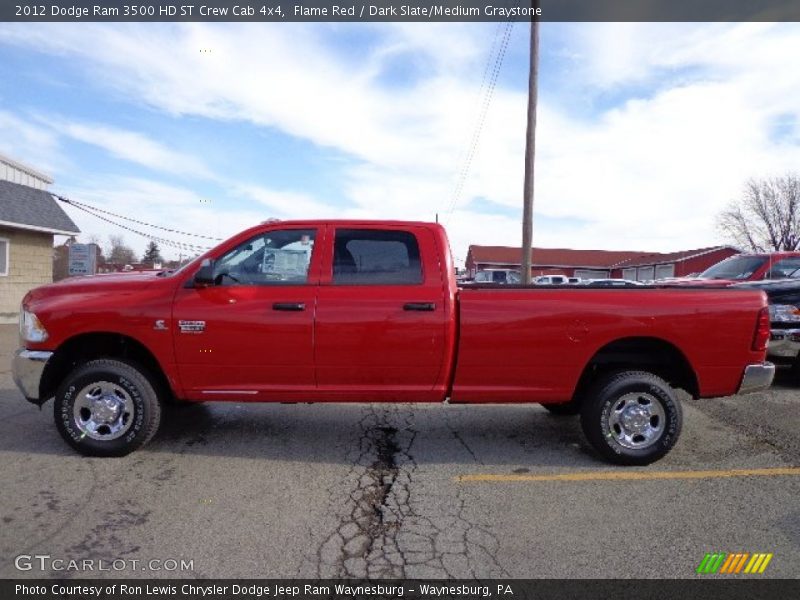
(365, 311)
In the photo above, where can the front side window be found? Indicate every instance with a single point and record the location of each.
(274, 257)
(376, 257)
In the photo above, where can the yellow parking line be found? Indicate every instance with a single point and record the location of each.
(626, 475)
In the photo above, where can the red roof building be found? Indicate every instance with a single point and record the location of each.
(598, 264)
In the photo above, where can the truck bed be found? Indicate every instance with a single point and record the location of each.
(534, 343)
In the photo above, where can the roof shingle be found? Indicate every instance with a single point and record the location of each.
(30, 208)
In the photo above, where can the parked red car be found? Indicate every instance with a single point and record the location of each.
(364, 311)
(746, 267)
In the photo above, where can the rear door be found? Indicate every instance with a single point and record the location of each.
(380, 326)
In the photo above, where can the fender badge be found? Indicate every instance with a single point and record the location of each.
(192, 326)
(160, 325)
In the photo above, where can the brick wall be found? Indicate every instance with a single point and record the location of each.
(30, 264)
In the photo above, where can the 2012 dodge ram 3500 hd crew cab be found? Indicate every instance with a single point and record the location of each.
(344, 311)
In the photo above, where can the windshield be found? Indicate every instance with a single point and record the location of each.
(736, 267)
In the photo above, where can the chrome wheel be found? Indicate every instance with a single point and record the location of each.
(636, 420)
(103, 411)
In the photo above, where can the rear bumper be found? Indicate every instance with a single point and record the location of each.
(784, 343)
(27, 368)
(757, 377)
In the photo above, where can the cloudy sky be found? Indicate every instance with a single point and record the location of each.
(646, 131)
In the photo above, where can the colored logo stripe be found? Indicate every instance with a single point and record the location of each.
(724, 563)
(758, 563)
(711, 563)
(735, 562)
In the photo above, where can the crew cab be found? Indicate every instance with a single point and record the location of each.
(366, 311)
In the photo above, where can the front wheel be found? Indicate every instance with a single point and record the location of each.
(107, 408)
(632, 418)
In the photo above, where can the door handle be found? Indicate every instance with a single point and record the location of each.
(419, 306)
(289, 306)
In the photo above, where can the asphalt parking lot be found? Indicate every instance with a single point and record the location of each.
(399, 491)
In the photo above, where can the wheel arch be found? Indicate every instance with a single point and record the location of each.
(651, 354)
(84, 347)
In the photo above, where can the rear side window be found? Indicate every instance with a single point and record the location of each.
(376, 257)
(787, 267)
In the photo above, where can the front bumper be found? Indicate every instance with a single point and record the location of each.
(27, 368)
(784, 343)
(757, 377)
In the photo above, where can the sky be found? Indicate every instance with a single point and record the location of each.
(646, 131)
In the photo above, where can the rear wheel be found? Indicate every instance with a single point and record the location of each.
(107, 408)
(632, 417)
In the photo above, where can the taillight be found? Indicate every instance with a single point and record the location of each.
(761, 337)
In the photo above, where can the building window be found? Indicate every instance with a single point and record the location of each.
(663, 271)
(646, 273)
(4, 244)
(591, 274)
(629, 273)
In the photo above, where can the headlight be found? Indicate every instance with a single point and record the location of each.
(30, 328)
(784, 313)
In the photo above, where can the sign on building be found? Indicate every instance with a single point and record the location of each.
(82, 259)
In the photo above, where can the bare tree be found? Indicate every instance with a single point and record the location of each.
(766, 217)
(119, 252)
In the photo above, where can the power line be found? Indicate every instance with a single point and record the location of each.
(479, 97)
(88, 207)
(481, 121)
(164, 241)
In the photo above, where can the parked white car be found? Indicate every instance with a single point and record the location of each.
(499, 276)
(551, 280)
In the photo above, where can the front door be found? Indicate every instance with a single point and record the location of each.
(250, 335)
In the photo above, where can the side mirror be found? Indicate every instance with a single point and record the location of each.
(205, 274)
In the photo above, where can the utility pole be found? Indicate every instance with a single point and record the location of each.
(530, 150)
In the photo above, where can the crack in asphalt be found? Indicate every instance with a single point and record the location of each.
(389, 525)
(53, 504)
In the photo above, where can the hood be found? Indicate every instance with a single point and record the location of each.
(135, 280)
(779, 291)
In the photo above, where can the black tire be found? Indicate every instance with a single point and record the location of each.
(126, 388)
(564, 409)
(629, 397)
